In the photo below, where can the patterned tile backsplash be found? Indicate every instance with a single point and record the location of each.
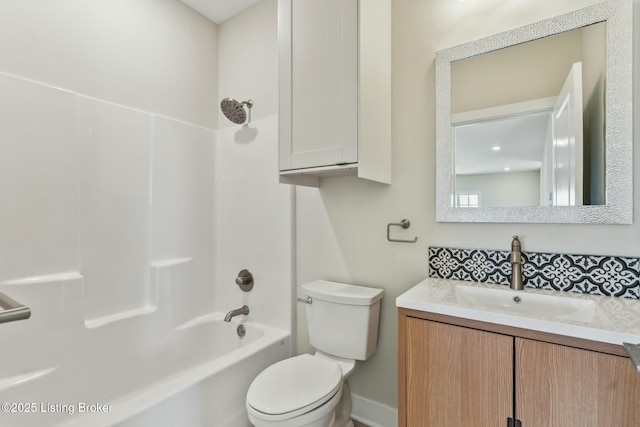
(589, 274)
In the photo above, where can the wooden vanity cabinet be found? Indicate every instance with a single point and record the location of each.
(559, 385)
(456, 376)
(457, 372)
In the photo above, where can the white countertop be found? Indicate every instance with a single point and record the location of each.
(611, 320)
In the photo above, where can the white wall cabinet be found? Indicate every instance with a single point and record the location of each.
(335, 89)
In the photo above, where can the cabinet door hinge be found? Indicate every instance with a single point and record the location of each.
(511, 422)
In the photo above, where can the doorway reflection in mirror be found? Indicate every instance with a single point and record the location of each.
(542, 104)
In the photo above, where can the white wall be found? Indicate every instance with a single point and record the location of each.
(503, 189)
(256, 222)
(248, 54)
(496, 78)
(341, 226)
(154, 55)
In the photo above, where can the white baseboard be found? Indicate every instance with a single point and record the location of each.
(372, 413)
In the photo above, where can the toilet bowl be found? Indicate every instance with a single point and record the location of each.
(299, 391)
(312, 390)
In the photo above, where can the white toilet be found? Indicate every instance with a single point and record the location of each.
(312, 390)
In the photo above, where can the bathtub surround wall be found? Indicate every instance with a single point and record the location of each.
(343, 223)
(588, 274)
(255, 227)
(91, 199)
(113, 171)
(114, 178)
(85, 110)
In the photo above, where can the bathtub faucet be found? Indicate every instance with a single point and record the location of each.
(238, 311)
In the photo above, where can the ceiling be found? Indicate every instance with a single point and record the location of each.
(521, 140)
(219, 10)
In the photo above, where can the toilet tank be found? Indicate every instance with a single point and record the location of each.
(342, 319)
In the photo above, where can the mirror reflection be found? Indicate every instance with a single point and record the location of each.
(528, 123)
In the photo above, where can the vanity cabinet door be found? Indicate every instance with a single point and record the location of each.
(456, 376)
(558, 386)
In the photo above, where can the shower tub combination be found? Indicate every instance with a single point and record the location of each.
(133, 371)
(105, 196)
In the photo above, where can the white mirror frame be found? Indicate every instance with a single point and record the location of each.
(618, 117)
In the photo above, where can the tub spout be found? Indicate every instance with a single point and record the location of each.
(238, 311)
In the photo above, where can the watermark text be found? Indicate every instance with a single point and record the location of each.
(55, 408)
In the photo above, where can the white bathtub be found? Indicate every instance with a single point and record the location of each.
(136, 371)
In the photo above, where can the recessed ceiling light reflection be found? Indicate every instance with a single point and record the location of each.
(496, 148)
(507, 169)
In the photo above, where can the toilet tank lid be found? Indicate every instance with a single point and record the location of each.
(342, 293)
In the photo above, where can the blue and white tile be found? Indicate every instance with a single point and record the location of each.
(591, 274)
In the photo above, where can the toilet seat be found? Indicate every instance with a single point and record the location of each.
(294, 386)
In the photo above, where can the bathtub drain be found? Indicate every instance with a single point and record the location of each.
(241, 330)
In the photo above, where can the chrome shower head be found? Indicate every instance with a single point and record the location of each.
(234, 110)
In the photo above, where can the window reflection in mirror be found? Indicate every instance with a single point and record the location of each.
(528, 122)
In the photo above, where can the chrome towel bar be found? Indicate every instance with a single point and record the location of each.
(12, 310)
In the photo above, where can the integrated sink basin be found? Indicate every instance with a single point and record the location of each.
(526, 303)
(597, 318)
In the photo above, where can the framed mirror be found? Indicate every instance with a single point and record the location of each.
(534, 125)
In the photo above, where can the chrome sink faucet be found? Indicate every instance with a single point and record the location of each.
(237, 312)
(516, 265)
